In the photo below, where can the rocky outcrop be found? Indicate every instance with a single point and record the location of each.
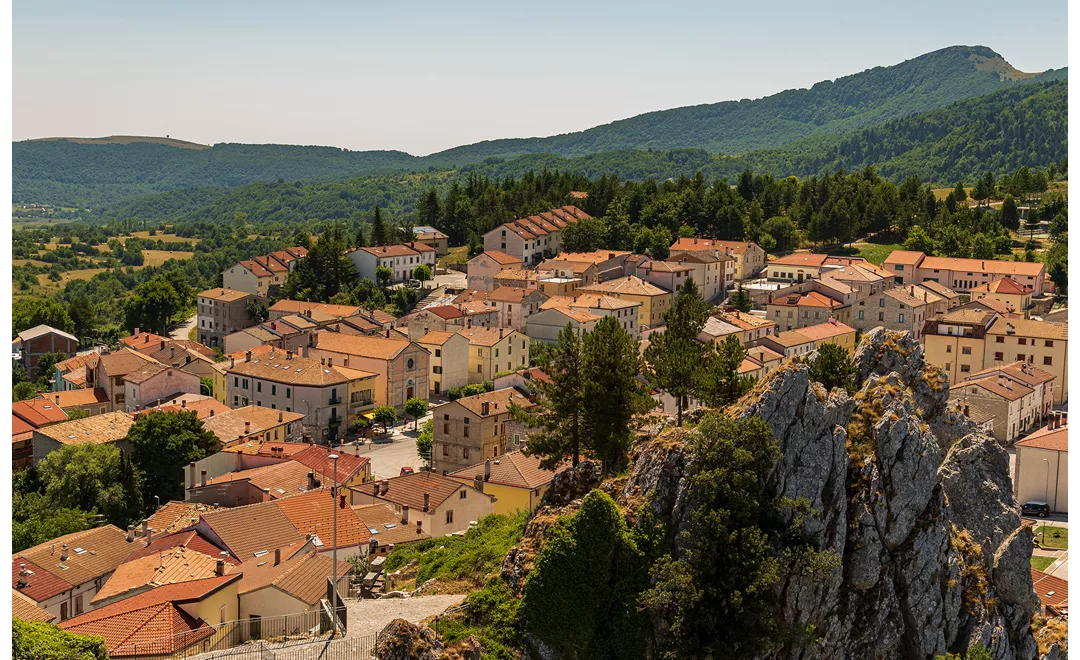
(401, 640)
(913, 500)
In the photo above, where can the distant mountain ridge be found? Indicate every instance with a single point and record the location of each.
(103, 171)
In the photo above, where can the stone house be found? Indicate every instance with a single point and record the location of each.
(29, 345)
(475, 428)
(153, 383)
(222, 312)
(484, 267)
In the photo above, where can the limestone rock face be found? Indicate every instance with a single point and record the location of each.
(912, 498)
(401, 640)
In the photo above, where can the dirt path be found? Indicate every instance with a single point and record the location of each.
(371, 616)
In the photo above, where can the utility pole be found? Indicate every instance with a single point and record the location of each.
(333, 494)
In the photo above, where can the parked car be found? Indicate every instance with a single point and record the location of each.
(406, 470)
(1035, 508)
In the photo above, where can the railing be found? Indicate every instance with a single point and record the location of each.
(349, 648)
(272, 632)
(335, 400)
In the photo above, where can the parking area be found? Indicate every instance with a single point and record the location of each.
(387, 459)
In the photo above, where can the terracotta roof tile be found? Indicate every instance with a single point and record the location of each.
(822, 331)
(904, 257)
(1030, 328)
(145, 372)
(92, 554)
(694, 244)
(317, 457)
(246, 530)
(277, 367)
(486, 336)
(1010, 391)
(806, 299)
(301, 306)
(1005, 285)
(379, 348)
(175, 516)
(303, 577)
(41, 585)
(806, 259)
(629, 285)
(1052, 591)
(39, 411)
(992, 266)
(313, 513)
(97, 429)
(1047, 438)
(384, 525)
(74, 398)
(166, 566)
(510, 469)
(409, 489)
(25, 609)
(224, 295)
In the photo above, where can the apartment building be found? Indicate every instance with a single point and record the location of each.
(475, 428)
(401, 366)
(153, 383)
(963, 275)
(1006, 291)
(286, 381)
(1041, 472)
(1010, 405)
(534, 238)
(713, 273)
(625, 311)
(653, 300)
(748, 257)
(484, 267)
(751, 326)
(449, 360)
(545, 325)
(222, 312)
(263, 276)
(798, 310)
(668, 275)
(963, 342)
(400, 259)
(494, 350)
(29, 345)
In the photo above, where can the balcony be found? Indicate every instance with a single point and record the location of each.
(335, 401)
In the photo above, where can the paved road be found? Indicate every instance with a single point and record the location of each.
(388, 459)
(181, 331)
(371, 616)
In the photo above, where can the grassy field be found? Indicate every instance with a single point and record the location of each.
(1041, 563)
(32, 262)
(456, 255)
(165, 238)
(1052, 537)
(875, 253)
(48, 286)
(158, 257)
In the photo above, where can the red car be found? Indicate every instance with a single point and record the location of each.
(406, 470)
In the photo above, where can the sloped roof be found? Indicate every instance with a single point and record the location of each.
(224, 295)
(1047, 438)
(486, 336)
(168, 566)
(805, 259)
(191, 539)
(513, 469)
(1030, 328)
(252, 528)
(1013, 392)
(82, 397)
(409, 489)
(175, 516)
(628, 285)
(301, 306)
(1005, 285)
(102, 550)
(277, 367)
(303, 577)
(145, 372)
(41, 330)
(384, 525)
(805, 299)
(696, 244)
(822, 331)
(152, 616)
(97, 429)
(25, 609)
(280, 479)
(1023, 268)
(379, 348)
(904, 257)
(41, 585)
(317, 457)
(1029, 375)
(313, 513)
(1052, 591)
(436, 337)
(39, 411)
(498, 401)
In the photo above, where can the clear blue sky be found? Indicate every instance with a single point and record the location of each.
(424, 76)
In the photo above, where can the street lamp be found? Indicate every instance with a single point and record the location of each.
(333, 502)
(1046, 492)
(157, 502)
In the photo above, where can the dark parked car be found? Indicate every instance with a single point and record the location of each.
(1035, 508)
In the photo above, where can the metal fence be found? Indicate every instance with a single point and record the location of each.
(268, 632)
(349, 648)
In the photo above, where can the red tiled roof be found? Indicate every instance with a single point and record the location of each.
(317, 458)
(38, 412)
(808, 259)
(40, 585)
(1005, 285)
(313, 513)
(1052, 591)
(1047, 438)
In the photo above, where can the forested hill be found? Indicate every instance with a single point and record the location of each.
(873, 96)
(100, 173)
(1026, 125)
(997, 133)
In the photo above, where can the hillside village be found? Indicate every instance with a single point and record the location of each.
(341, 434)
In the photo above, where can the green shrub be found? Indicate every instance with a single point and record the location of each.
(470, 557)
(44, 641)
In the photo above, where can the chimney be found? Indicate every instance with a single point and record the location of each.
(1001, 380)
(484, 408)
(23, 574)
(404, 514)
(130, 536)
(232, 362)
(277, 556)
(280, 417)
(203, 477)
(388, 333)
(183, 403)
(419, 528)
(136, 332)
(967, 410)
(64, 550)
(330, 362)
(427, 504)
(375, 489)
(219, 567)
(146, 530)
(478, 483)
(384, 486)
(211, 412)
(191, 473)
(487, 470)
(162, 344)
(311, 480)
(247, 357)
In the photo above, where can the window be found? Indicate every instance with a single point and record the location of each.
(479, 368)
(63, 611)
(78, 605)
(901, 318)
(288, 392)
(1000, 340)
(273, 390)
(965, 350)
(899, 267)
(948, 348)
(450, 517)
(438, 352)
(964, 368)
(258, 386)
(465, 450)
(409, 364)
(235, 401)
(466, 435)
(881, 302)
(1022, 341)
(1021, 357)
(245, 383)
(999, 356)
(948, 367)
(463, 494)
(1049, 343)
(235, 381)
(881, 316)
(1047, 360)
(446, 417)
(446, 428)
(861, 315)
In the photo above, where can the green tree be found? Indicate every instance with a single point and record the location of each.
(379, 231)
(385, 415)
(580, 595)
(783, 231)
(383, 275)
(557, 416)
(715, 595)
(424, 443)
(77, 413)
(23, 391)
(674, 357)
(162, 444)
(93, 478)
(612, 394)
(257, 311)
(422, 273)
(982, 247)
(919, 241)
(1010, 215)
(153, 305)
(741, 300)
(27, 313)
(206, 386)
(960, 192)
(721, 382)
(47, 367)
(416, 408)
(46, 641)
(833, 367)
